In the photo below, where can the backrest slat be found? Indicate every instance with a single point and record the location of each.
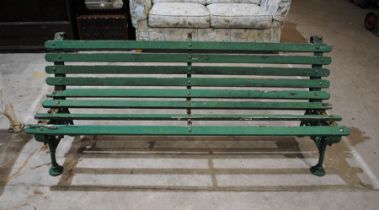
(183, 57)
(131, 104)
(194, 93)
(187, 75)
(180, 81)
(246, 47)
(214, 70)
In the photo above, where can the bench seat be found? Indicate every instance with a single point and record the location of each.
(192, 85)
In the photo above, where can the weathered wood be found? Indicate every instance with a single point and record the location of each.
(184, 45)
(184, 57)
(241, 117)
(212, 70)
(193, 76)
(125, 104)
(193, 131)
(194, 93)
(181, 81)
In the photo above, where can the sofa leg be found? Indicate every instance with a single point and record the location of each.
(55, 168)
(318, 169)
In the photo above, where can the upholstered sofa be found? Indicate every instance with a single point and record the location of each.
(212, 20)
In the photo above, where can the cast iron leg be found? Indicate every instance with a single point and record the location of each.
(318, 169)
(55, 169)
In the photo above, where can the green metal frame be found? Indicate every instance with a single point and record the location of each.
(189, 92)
(321, 142)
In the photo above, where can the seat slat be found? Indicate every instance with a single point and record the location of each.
(214, 70)
(183, 104)
(184, 57)
(194, 93)
(184, 45)
(240, 117)
(190, 131)
(181, 81)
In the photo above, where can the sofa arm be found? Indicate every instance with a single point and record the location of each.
(139, 10)
(278, 8)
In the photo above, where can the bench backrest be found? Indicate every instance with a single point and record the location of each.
(192, 75)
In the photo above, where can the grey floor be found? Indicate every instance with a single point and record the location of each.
(208, 173)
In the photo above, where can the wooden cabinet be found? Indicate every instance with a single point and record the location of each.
(26, 24)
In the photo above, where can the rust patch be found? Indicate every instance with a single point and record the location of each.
(37, 192)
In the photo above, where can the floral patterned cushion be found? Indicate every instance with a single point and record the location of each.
(179, 15)
(239, 16)
(203, 2)
(257, 2)
(278, 8)
(139, 10)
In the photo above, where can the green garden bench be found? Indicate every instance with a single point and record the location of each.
(100, 76)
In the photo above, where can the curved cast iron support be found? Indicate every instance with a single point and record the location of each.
(55, 168)
(322, 142)
(318, 169)
(52, 142)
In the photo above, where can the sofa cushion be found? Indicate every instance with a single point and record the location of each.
(239, 16)
(179, 15)
(203, 2)
(257, 2)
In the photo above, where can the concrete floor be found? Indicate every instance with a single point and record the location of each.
(208, 174)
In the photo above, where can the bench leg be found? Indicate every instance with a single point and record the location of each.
(318, 169)
(55, 168)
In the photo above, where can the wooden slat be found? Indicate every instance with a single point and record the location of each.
(194, 93)
(184, 45)
(193, 131)
(121, 104)
(184, 57)
(181, 81)
(241, 117)
(216, 70)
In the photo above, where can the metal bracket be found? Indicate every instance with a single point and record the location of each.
(189, 76)
(329, 140)
(60, 121)
(42, 126)
(316, 39)
(317, 112)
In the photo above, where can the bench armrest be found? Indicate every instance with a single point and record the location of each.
(278, 8)
(139, 10)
